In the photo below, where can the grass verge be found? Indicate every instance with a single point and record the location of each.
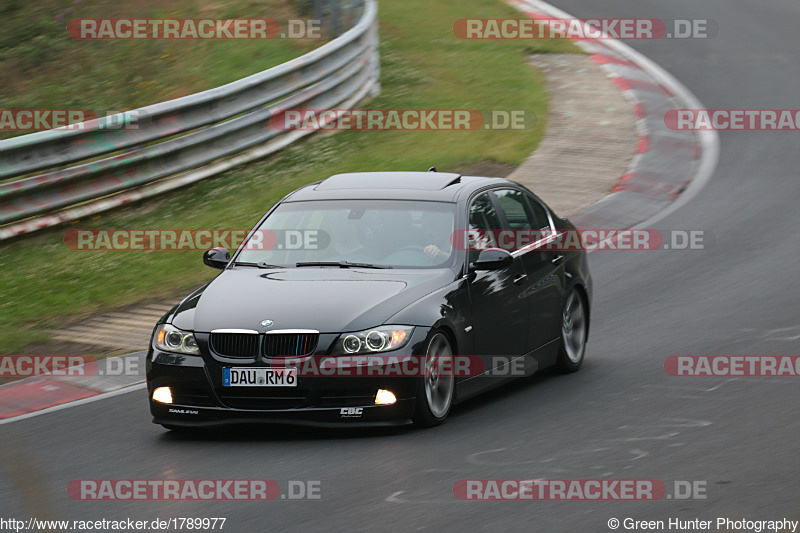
(42, 67)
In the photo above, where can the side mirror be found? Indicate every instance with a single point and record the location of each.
(493, 259)
(217, 258)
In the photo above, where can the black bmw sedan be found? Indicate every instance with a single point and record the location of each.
(374, 299)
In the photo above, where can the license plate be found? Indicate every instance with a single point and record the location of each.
(259, 377)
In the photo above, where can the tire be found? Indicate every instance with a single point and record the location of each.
(574, 333)
(435, 392)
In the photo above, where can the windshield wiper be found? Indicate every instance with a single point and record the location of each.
(340, 264)
(260, 264)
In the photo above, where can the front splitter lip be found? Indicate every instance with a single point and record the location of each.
(280, 422)
(397, 414)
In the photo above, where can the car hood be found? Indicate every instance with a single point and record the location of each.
(327, 299)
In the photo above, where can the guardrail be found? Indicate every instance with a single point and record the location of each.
(103, 165)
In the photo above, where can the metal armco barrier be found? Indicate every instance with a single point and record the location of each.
(133, 155)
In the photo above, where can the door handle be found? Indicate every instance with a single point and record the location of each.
(519, 279)
(557, 259)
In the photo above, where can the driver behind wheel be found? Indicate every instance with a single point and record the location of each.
(437, 229)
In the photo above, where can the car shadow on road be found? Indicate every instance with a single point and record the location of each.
(278, 433)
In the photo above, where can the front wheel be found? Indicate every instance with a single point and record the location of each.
(437, 385)
(574, 332)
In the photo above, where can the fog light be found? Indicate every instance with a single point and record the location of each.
(162, 395)
(384, 397)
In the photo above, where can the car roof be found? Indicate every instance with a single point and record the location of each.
(427, 186)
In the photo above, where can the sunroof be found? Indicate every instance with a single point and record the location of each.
(428, 181)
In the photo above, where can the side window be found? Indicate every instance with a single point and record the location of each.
(527, 219)
(540, 218)
(483, 224)
(482, 215)
(515, 208)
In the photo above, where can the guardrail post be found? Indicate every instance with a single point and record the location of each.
(375, 59)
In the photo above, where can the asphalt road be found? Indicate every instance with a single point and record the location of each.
(620, 417)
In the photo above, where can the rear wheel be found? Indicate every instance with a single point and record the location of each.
(437, 385)
(574, 331)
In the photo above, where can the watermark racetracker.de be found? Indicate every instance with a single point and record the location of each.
(546, 28)
(578, 489)
(733, 365)
(141, 239)
(193, 489)
(403, 119)
(192, 29)
(733, 119)
(68, 119)
(23, 366)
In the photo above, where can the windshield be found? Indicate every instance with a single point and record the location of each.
(380, 233)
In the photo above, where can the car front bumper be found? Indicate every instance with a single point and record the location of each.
(373, 415)
(346, 398)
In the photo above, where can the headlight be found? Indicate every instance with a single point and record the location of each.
(380, 339)
(168, 338)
